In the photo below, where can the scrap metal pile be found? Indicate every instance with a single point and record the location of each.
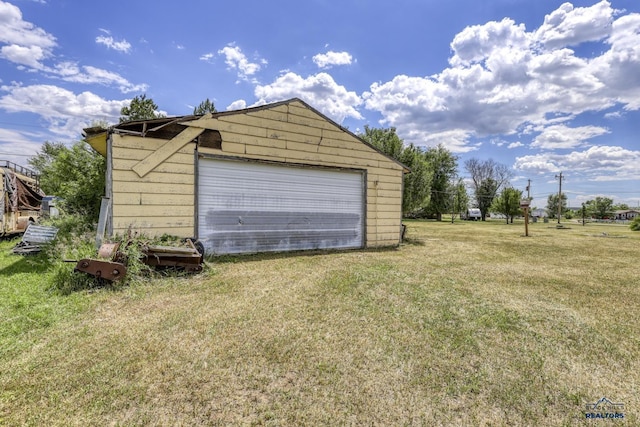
(111, 263)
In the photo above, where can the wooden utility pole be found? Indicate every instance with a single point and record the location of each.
(524, 204)
(453, 206)
(559, 197)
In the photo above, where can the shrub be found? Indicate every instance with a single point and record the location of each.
(635, 224)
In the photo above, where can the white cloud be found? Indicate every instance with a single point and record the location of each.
(598, 163)
(120, 46)
(17, 146)
(475, 43)
(236, 60)
(30, 46)
(331, 58)
(17, 31)
(207, 57)
(569, 26)
(92, 75)
(618, 67)
(240, 104)
(31, 56)
(319, 90)
(563, 137)
(21, 38)
(503, 80)
(515, 145)
(65, 112)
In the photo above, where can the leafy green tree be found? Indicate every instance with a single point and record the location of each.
(508, 203)
(485, 194)
(385, 140)
(600, 207)
(417, 184)
(47, 154)
(635, 224)
(552, 205)
(458, 191)
(487, 177)
(140, 108)
(444, 166)
(205, 107)
(76, 174)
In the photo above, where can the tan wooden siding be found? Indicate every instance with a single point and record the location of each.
(163, 200)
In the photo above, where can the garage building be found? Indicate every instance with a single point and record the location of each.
(277, 177)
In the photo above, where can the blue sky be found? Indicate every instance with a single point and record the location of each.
(540, 86)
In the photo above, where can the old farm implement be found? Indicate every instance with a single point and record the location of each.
(111, 263)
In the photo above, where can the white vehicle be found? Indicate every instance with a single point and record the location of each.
(473, 214)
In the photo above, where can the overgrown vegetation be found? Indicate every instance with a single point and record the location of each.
(635, 224)
(526, 331)
(76, 174)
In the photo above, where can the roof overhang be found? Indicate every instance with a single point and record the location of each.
(98, 142)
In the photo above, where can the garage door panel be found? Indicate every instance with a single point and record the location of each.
(258, 207)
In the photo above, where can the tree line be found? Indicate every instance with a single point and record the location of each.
(434, 187)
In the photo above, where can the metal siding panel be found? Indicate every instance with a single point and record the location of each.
(246, 207)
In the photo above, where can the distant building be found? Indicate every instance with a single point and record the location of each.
(627, 214)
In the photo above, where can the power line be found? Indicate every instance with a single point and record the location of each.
(19, 155)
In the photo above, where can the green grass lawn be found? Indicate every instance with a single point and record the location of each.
(464, 324)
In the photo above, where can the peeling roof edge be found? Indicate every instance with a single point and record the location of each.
(92, 133)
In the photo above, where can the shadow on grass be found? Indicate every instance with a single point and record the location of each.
(413, 242)
(230, 259)
(26, 264)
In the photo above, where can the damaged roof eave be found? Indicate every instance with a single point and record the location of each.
(98, 142)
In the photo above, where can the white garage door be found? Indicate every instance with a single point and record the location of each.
(246, 207)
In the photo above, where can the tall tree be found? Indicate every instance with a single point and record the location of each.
(600, 207)
(385, 140)
(76, 174)
(417, 184)
(458, 191)
(488, 177)
(444, 166)
(552, 205)
(508, 203)
(140, 108)
(205, 107)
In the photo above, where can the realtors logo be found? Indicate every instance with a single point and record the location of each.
(604, 409)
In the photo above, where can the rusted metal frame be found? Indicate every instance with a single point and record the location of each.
(101, 269)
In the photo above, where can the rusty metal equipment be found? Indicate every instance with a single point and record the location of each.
(111, 264)
(188, 258)
(107, 270)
